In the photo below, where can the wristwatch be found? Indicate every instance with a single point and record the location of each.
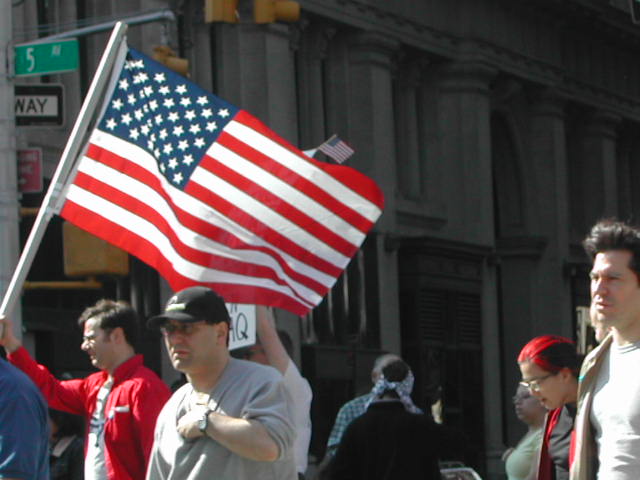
(204, 421)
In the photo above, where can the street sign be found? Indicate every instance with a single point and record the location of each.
(38, 105)
(30, 170)
(45, 58)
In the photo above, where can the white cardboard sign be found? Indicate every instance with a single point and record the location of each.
(243, 325)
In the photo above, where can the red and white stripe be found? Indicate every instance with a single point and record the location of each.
(259, 221)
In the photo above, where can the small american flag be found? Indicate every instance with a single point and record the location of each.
(336, 149)
(208, 195)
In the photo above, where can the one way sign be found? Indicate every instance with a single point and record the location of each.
(38, 105)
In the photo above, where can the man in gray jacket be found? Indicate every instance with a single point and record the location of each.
(608, 420)
(231, 420)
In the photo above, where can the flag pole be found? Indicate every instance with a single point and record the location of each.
(65, 165)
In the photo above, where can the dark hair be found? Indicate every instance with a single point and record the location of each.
(610, 234)
(110, 315)
(382, 360)
(395, 371)
(552, 353)
(67, 423)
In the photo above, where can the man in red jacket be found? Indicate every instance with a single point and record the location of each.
(120, 403)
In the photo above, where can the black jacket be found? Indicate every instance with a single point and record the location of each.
(387, 442)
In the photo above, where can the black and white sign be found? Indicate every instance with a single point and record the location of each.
(38, 105)
(243, 325)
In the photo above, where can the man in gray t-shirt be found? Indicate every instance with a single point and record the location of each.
(231, 420)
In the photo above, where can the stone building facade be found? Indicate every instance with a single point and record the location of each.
(499, 132)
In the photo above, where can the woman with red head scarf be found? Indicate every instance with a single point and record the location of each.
(549, 365)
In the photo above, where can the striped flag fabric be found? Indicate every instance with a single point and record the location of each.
(208, 195)
(336, 149)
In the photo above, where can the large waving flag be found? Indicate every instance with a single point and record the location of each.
(207, 194)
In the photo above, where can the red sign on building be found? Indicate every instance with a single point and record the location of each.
(30, 170)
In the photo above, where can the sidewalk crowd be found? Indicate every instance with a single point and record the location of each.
(245, 415)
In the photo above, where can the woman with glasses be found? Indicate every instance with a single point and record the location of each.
(549, 365)
(521, 461)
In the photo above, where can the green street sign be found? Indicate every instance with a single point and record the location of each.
(44, 58)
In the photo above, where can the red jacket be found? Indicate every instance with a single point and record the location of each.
(136, 398)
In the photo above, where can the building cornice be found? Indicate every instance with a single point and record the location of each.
(563, 25)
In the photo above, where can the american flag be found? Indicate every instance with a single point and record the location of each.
(208, 195)
(336, 149)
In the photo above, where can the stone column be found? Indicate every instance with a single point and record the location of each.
(464, 133)
(491, 380)
(371, 131)
(407, 145)
(256, 73)
(549, 161)
(464, 126)
(314, 41)
(9, 231)
(599, 173)
(519, 260)
(430, 159)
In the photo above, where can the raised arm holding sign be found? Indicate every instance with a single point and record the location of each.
(271, 349)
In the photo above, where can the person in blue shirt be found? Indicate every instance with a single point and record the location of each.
(24, 429)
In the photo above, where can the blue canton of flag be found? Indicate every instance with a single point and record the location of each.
(171, 118)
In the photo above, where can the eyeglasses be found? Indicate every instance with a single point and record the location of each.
(534, 383)
(181, 328)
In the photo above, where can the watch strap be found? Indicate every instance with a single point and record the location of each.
(204, 421)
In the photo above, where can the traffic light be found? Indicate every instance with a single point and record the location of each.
(164, 55)
(634, 6)
(269, 11)
(220, 11)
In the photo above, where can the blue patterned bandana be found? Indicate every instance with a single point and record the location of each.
(403, 389)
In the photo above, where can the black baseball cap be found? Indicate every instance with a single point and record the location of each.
(193, 304)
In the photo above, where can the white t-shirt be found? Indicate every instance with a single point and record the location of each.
(300, 393)
(615, 414)
(95, 467)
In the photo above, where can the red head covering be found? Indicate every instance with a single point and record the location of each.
(534, 351)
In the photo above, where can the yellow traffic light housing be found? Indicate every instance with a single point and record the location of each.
(164, 55)
(221, 11)
(269, 11)
(85, 254)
